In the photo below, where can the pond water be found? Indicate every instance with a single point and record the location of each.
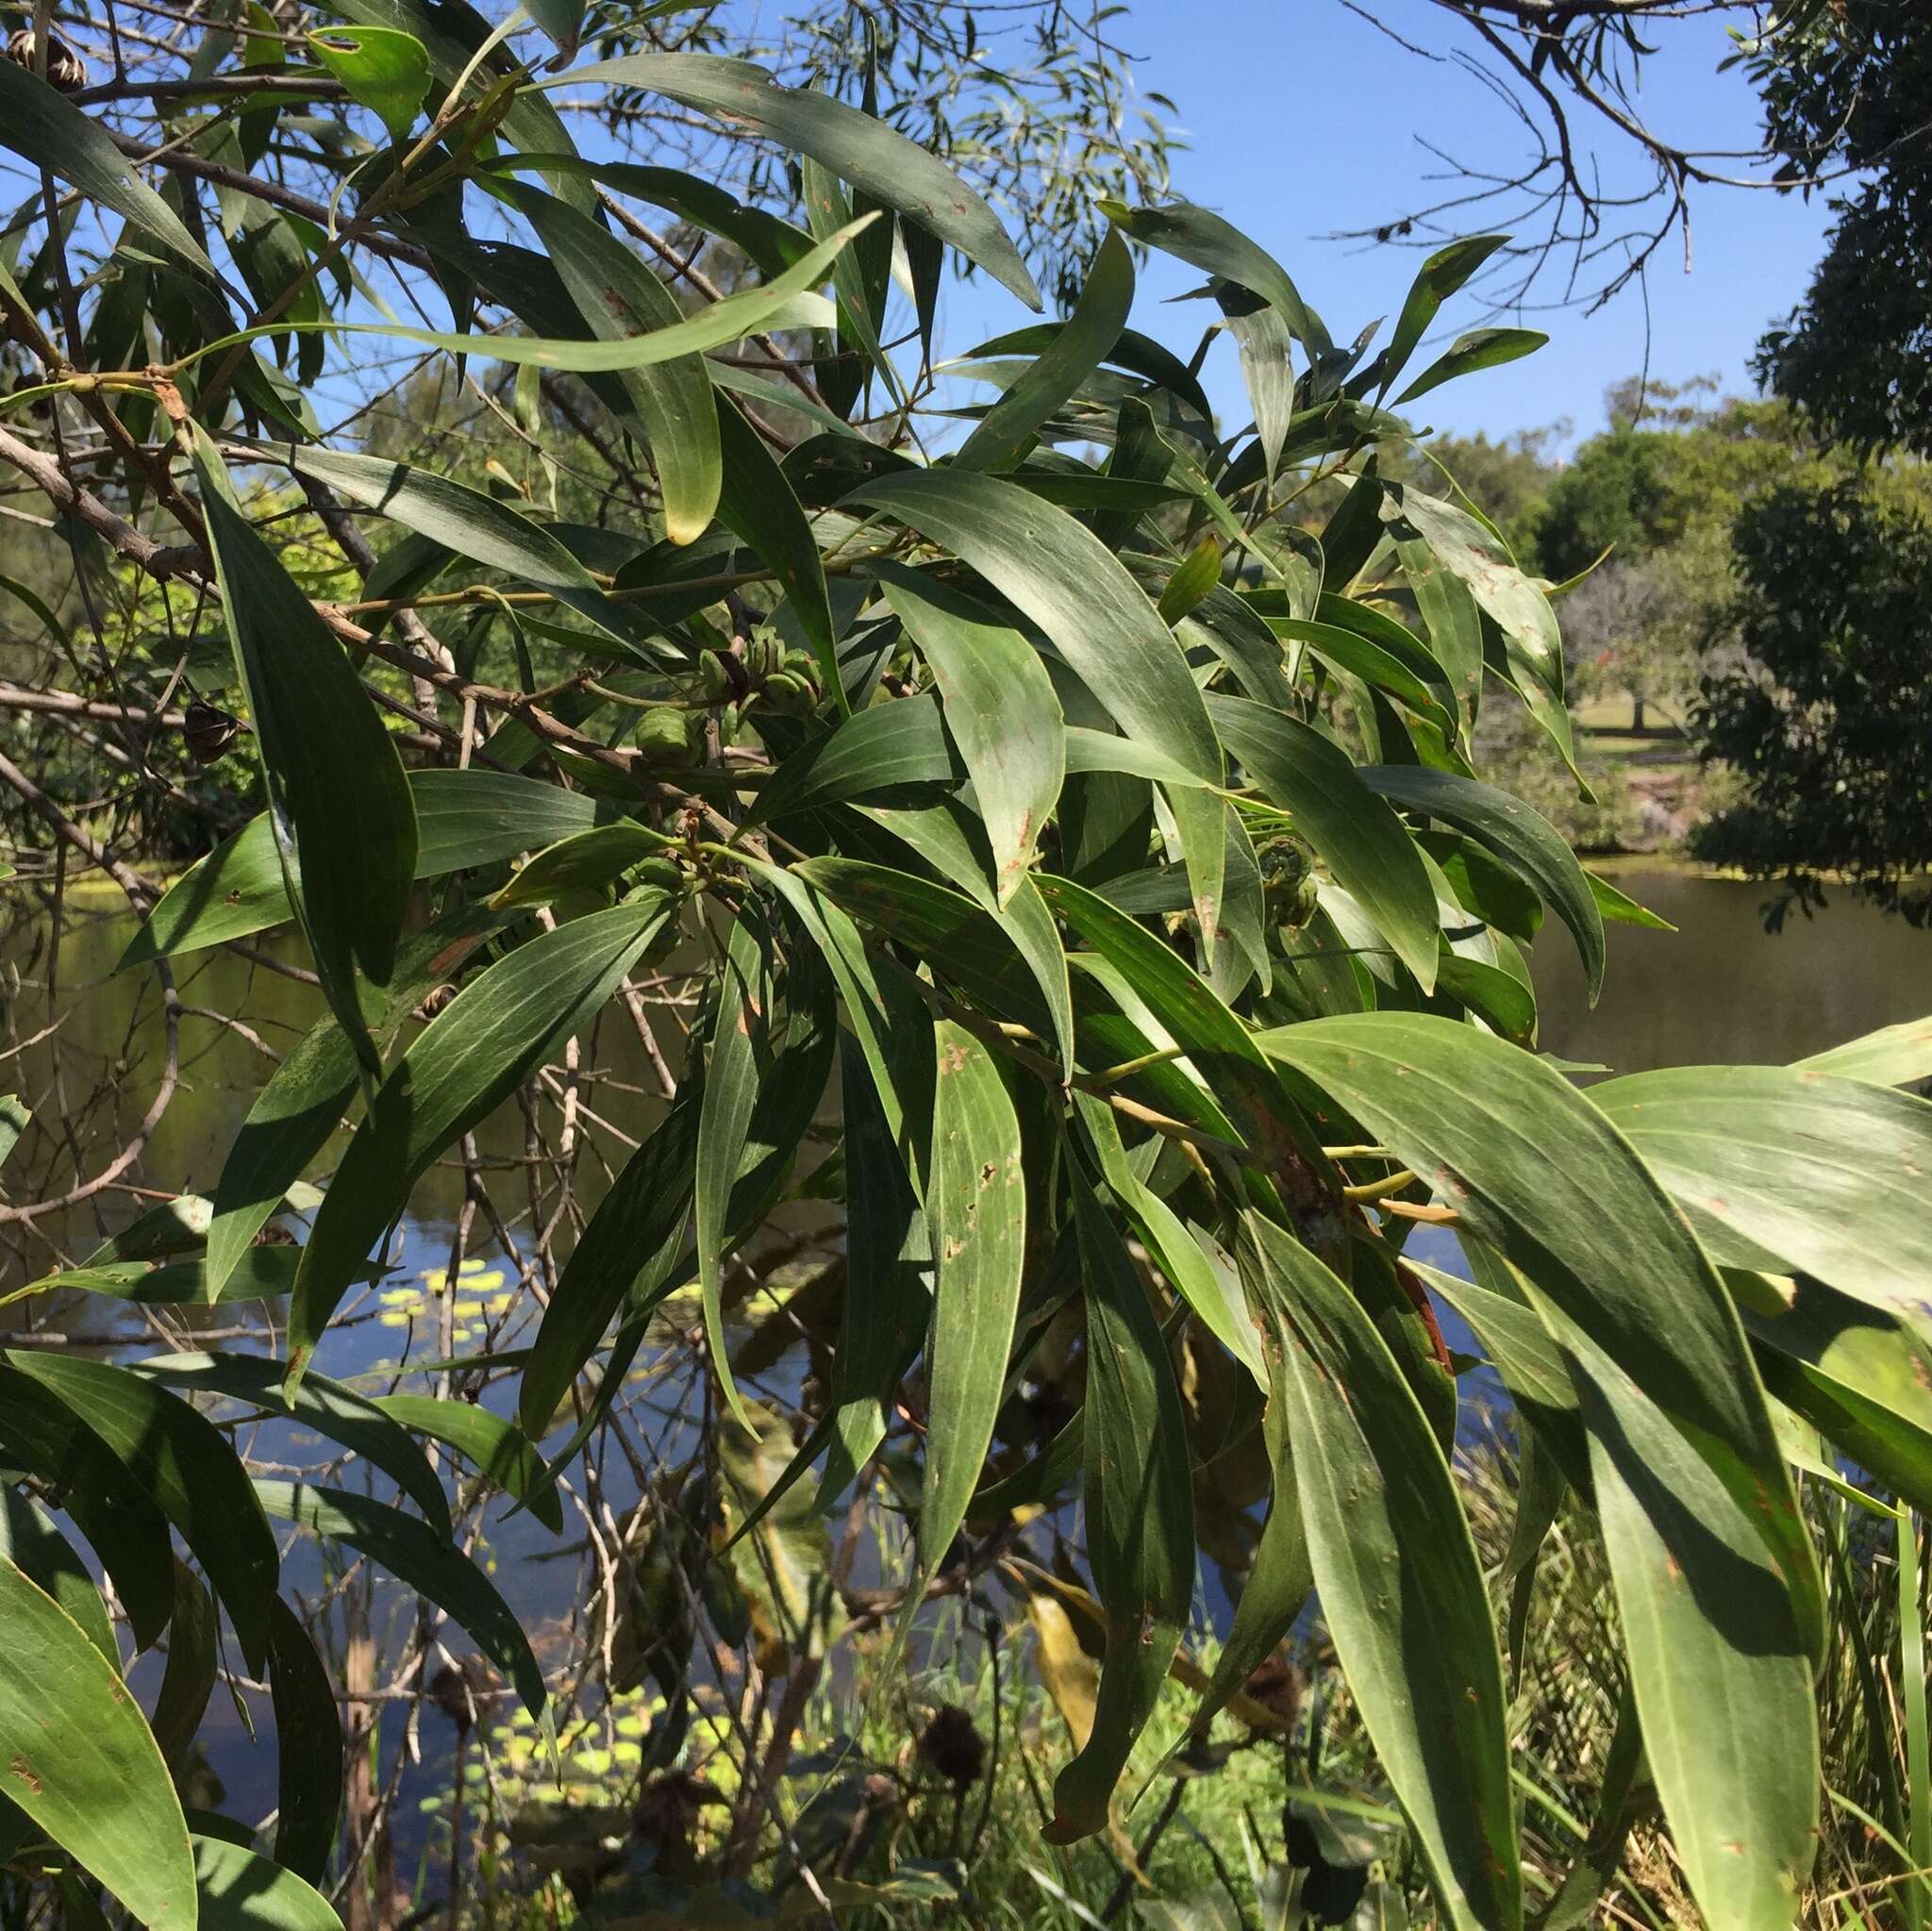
(1718, 989)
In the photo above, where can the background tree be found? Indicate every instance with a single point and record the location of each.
(1828, 716)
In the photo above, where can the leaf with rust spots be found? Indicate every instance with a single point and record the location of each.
(81, 1761)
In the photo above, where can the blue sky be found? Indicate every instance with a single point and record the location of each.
(1301, 119)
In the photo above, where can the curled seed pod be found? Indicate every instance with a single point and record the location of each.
(1275, 1684)
(950, 1743)
(763, 654)
(787, 691)
(1288, 879)
(208, 729)
(66, 70)
(459, 1690)
(434, 1001)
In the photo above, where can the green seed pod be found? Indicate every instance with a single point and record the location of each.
(714, 680)
(787, 691)
(670, 739)
(663, 873)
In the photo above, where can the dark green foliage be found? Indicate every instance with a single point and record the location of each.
(1830, 718)
(1109, 846)
(1845, 97)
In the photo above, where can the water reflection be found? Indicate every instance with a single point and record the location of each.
(1719, 990)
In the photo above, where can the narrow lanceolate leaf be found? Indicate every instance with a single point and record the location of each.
(1468, 549)
(1217, 1303)
(784, 301)
(1863, 1380)
(49, 131)
(328, 1407)
(339, 805)
(1006, 432)
(471, 1058)
(40, 1434)
(241, 1891)
(888, 1275)
(189, 1469)
(1708, 1626)
(189, 1680)
(1435, 280)
(1451, 616)
(309, 1778)
(29, 1540)
(498, 1451)
(759, 507)
(1781, 1164)
(1281, 1578)
(1267, 371)
(76, 1756)
(738, 1060)
(1067, 581)
(1539, 1173)
(469, 522)
(1140, 1513)
(627, 1250)
(1521, 837)
(619, 297)
(951, 840)
(884, 748)
(1365, 847)
(1000, 707)
(1894, 1056)
(451, 32)
(463, 818)
(587, 862)
(855, 146)
(976, 1212)
(1222, 1051)
(1202, 237)
(1481, 348)
(1401, 1591)
(295, 1112)
(414, 1553)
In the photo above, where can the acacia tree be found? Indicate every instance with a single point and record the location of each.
(1007, 783)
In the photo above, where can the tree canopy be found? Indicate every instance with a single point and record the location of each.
(1036, 839)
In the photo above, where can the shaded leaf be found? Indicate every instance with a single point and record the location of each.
(339, 809)
(309, 1778)
(416, 1555)
(1777, 1164)
(855, 146)
(1140, 1513)
(1371, 857)
(187, 1467)
(1526, 841)
(47, 130)
(497, 1450)
(1402, 1592)
(333, 1411)
(472, 1056)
